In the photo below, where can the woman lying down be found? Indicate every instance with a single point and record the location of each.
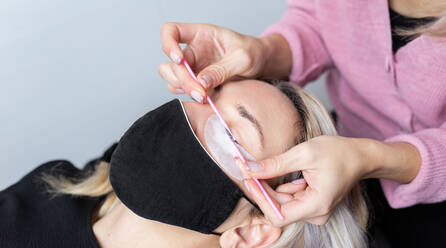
(172, 181)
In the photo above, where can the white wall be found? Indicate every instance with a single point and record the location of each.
(75, 74)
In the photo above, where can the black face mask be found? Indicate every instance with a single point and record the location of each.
(161, 172)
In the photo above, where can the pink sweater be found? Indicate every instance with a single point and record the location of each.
(398, 98)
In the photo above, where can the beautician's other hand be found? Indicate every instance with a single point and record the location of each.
(331, 166)
(218, 54)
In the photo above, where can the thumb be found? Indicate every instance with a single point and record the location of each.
(234, 63)
(275, 166)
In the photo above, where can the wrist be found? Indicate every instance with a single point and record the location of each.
(370, 160)
(277, 57)
(395, 161)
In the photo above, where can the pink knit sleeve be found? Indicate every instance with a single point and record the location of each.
(300, 27)
(429, 186)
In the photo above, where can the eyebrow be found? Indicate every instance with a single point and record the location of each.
(245, 114)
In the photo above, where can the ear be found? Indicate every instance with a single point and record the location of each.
(257, 234)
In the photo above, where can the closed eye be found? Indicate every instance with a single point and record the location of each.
(231, 137)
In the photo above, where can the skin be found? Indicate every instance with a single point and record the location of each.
(419, 8)
(211, 51)
(122, 228)
(218, 54)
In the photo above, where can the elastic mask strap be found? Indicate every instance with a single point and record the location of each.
(215, 233)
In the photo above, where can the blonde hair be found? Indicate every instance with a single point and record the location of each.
(436, 28)
(345, 228)
(347, 225)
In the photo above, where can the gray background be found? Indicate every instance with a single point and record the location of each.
(75, 74)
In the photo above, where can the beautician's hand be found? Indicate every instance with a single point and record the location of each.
(331, 166)
(218, 54)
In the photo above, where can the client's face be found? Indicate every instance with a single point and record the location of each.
(263, 120)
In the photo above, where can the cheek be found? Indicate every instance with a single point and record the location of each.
(197, 116)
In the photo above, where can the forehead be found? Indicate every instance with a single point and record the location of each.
(274, 111)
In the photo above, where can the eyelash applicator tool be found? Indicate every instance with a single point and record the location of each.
(240, 155)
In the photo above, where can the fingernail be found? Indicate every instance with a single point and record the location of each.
(179, 91)
(298, 181)
(246, 185)
(242, 167)
(204, 80)
(254, 166)
(175, 57)
(239, 162)
(196, 96)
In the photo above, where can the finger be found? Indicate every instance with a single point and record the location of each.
(166, 72)
(175, 90)
(188, 84)
(302, 208)
(174, 33)
(240, 164)
(264, 204)
(279, 197)
(258, 197)
(276, 166)
(293, 187)
(189, 56)
(232, 64)
(300, 195)
(293, 210)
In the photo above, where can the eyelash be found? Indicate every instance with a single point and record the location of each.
(231, 137)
